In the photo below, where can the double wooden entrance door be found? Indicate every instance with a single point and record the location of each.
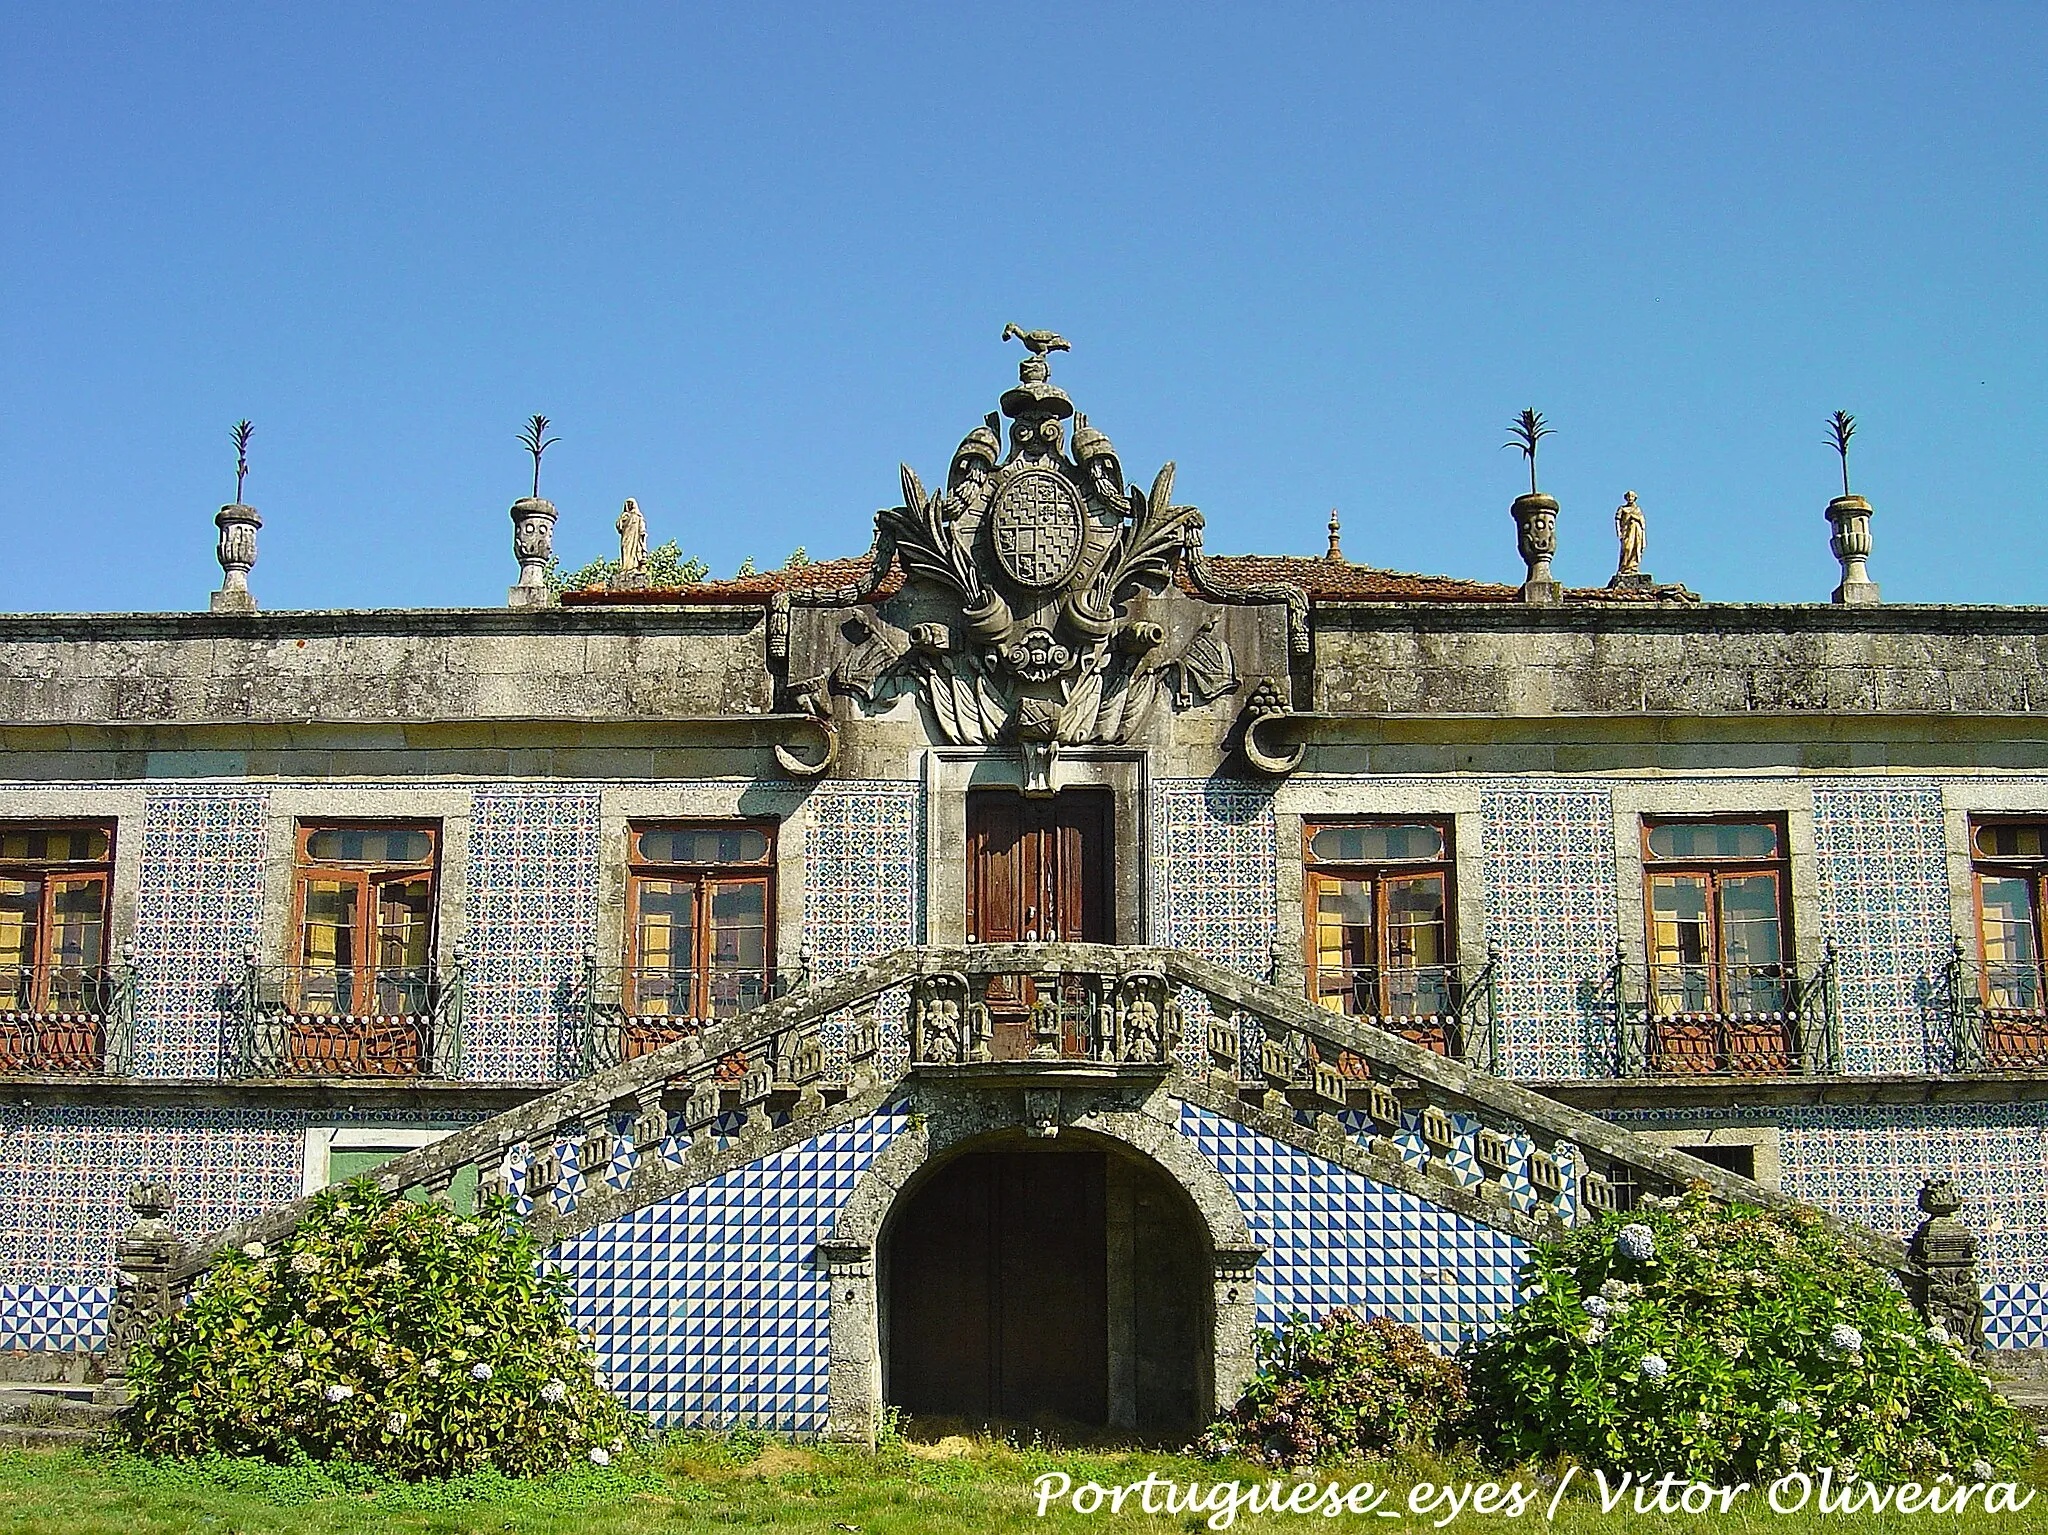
(1037, 870)
(998, 1290)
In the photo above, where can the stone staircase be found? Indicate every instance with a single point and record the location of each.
(50, 1415)
(1170, 1023)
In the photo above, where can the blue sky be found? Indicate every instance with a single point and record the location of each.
(749, 257)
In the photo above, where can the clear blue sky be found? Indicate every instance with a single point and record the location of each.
(748, 257)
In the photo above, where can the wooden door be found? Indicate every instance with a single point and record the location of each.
(999, 1290)
(1037, 869)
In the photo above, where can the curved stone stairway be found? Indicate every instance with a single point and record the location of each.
(1122, 1038)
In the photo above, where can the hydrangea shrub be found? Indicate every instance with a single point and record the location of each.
(1726, 1341)
(393, 1334)
(1345, 1388)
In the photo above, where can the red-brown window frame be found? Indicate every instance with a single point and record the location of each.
(52, 874)
(364, 966)
(2005, 866)
(639, 870)
(1714, 867)
(1380, 873)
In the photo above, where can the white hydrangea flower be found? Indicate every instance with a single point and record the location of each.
(600, 1456)
(294, 1360)
(252, 1249)
(1785, 1405)
(1637, 1241)
(554, 1391)
(394, 1423)
(467, 1229)
(479, 1371)
(431, 1369)
(1598, 1305)
(472, 1331)
(1844, 1339)
(1653, 1367)
(1595, 1331)
(1613, 1289)
(1982, 1471)
(339, 1392)
(305, 1263)
(1937, 1334)
(1620, 1308)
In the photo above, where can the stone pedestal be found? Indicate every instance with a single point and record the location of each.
(143, 1259)
(1632, 581)
(1536, 538)
(236, 552)
(1850, 517)
(533, 545)
(1943, 1280)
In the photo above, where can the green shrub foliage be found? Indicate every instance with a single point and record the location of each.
(395, 1335)
(1725, 1341)
(1345, 1388)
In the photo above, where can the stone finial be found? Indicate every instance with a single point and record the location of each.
(1629, 532)
(1536, 539)
(236, 552)
(1336, 554)
(533, 545)
(1942, 1277)
(1850, 518)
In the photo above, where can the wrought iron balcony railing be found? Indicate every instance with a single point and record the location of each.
(68, 1020)
(1996, 1014)
(633, 1010)
(347, 1021)
(1725, 1019)
(1452, 1010)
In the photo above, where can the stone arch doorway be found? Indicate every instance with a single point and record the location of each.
(1045, 1280)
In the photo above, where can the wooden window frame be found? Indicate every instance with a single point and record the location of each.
(1381, 874)
(54, 874)
(1713, 869)
(364, 967)
(705, 875)
(2035, 872)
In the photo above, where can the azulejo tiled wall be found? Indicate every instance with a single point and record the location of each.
(65, 1174)
(711, 1309)
(1551, 910)
(864, 890)
(533, 871)
(199, 906)
(1881, 860)
(1867, 1163)
(1213, 858)
(1334, 1238)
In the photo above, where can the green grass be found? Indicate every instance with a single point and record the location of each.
(719, 1484)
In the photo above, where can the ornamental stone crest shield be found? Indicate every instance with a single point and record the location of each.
(1041, 606)
(1036, 527)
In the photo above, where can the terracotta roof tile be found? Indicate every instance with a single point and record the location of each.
(1321, 579)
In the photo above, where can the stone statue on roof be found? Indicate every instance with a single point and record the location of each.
(632, 539)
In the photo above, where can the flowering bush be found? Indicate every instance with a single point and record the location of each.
(1340, 1389)
(388, 1333)
(1722, 1341)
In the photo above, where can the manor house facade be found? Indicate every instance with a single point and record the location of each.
(992, 974)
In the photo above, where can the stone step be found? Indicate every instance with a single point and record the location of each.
(46, 1436)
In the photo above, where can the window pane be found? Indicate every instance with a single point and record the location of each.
(739, 947)
(1416, 982)
(1714, 839)
(1678, 943)
(405, 921)
(327, 943)
(1752, 946)
(1344, 943)
(2011, 957)
(1407, 843)
(21, 902)
(78, 911)
(703, 845)
(374, 846)
(665, 929)
(2009, 840)
(54, 844)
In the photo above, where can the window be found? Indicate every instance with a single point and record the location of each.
(53, 918)
(1740, 1160)
(365, 921)
(2010, 871)
(1718, 931)
(1379, 928)
(700, 945)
